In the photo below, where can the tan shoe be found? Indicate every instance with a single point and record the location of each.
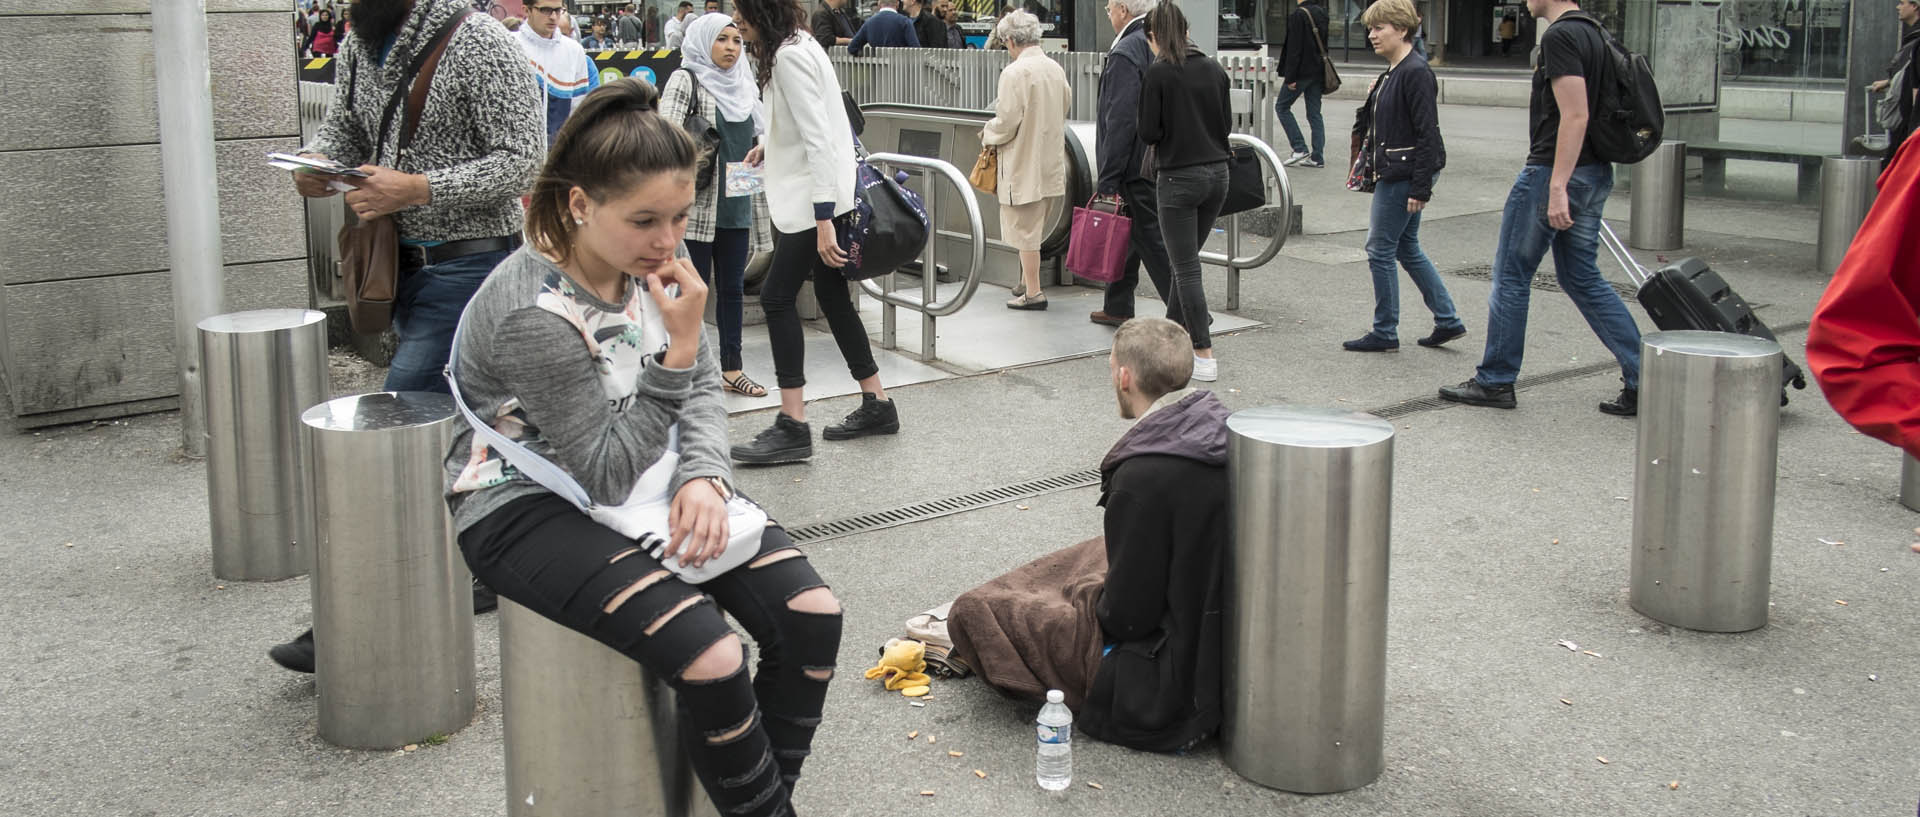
(1029, 302)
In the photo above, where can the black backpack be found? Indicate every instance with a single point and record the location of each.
(1627, 119)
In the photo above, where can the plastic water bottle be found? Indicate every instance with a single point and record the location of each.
(1053, 769)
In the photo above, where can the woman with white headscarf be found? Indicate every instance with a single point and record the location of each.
(722, 230)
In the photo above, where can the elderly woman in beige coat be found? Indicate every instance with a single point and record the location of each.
(1029, 126)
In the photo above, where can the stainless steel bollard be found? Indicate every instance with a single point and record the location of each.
(1306, 614)
(262, 369)
(392, 600)
(1910, 482)
(1658, 220)
(1703, 479)
(1847, 189)
(587, 730)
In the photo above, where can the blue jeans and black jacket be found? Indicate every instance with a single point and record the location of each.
(1525, 238)
(1407, 155)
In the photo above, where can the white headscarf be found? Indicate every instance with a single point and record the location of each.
(733, 89)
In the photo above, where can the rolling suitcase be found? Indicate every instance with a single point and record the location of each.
(1688, 294)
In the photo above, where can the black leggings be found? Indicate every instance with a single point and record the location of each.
(546, 555)
(795, 259)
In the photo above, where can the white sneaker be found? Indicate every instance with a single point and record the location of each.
(1206, 369)
(1297, 157)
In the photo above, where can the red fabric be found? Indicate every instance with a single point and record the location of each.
(1864, 342)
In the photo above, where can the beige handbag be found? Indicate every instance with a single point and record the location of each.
(986, 171)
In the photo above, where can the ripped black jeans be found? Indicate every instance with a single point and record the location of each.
(746, 739)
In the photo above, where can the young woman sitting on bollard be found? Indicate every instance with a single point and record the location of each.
(579, 348)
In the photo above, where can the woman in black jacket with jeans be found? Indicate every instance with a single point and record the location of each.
(1404, 147)
(1185, 118)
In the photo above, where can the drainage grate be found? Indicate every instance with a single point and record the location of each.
(942, 507)
(895, 517)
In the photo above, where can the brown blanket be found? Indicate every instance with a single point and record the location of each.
(1034, 629)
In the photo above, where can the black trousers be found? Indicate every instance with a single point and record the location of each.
(1146, 246)
(746, 739)
(795, 261)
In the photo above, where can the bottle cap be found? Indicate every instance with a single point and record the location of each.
(1055, 696)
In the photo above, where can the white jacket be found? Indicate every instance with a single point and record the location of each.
(808, 145)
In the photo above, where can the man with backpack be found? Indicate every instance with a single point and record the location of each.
(1556, 205)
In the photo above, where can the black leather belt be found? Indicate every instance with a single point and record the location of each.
(442, 253)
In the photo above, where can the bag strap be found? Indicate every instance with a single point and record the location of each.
(537, 468)
(413, 88)
(1317, 39)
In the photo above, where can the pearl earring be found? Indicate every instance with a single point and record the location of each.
(579, 221)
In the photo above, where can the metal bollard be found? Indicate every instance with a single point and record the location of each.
(392, 600)
(1703, 479)
(1847, 189)
(1659, 216)
(587, 730)
(1910, 482)
(262, 369)
(1306, 610)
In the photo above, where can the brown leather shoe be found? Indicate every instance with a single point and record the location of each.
(1105, 319)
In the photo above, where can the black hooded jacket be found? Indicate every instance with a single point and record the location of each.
(1164, 487)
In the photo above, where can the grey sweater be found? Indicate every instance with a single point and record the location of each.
(578, 381)
(481, 135)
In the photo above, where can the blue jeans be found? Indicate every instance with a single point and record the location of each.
(1525, 238)
(1395, 237)
(1284, 107)
(426, 310)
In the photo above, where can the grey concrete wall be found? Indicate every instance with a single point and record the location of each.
(86, 322)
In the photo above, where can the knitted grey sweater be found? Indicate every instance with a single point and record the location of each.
(481, 135)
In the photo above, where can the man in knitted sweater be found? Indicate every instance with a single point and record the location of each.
(453, 192)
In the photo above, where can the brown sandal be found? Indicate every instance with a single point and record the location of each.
(741, 384)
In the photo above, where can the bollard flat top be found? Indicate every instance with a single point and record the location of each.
(1309, 427)
(261, 320)
(380, 411)
(1709, 344)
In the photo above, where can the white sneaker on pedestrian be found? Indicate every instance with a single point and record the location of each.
(1206, 369)
(1296, 158)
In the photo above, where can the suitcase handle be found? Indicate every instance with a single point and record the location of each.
(1638, 274)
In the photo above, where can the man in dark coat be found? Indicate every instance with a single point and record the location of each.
(832, 25)
(1117, 140)
(931, 32)
(1128, 626)
(1302, 74)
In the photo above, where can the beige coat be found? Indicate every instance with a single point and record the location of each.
(1030, 126)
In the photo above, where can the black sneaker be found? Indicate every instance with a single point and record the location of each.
(296, 655)
(484, 600)
(1626, 405)
(874, 416)
(787, 440)
(1440, 337)
(1371, 342)
(1475, 393)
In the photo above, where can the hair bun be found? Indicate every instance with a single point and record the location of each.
(633, 94)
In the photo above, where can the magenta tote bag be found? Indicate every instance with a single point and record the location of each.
(1097, 245)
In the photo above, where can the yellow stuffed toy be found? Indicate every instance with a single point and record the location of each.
(903, 667)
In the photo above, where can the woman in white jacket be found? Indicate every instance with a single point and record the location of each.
(809, 161)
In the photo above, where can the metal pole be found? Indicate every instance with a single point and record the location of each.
(587, 731)
(1910, 482)
(930, 270)
(1233, 251)
(181, 72)
(1847, 190)
(392, 600)
(1658, 220)
(1306, 617)
(263, 370)
(1703, 479)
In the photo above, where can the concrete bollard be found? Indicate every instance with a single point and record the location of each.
(262, 369)
(587, 730)
(1847, 189)
(1703, 479)
(1306, 614)
(392, 599)
(1658, 220)
(1910, 482)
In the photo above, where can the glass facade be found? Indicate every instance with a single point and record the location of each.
(1785, 39)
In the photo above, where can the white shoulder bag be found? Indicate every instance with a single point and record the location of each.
(643, 516)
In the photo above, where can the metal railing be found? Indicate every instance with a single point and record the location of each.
(929, 306)
(950, 78)
(1231, 259)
